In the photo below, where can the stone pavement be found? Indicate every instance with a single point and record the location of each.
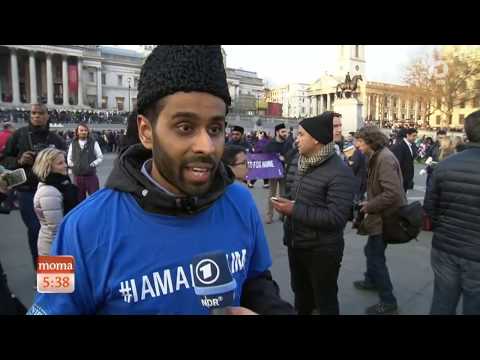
(409, 264)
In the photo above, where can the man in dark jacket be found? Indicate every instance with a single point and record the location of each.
(453, 203)
(20, 152)
(237, 138)
(279, 146)
(406, 152)
(173, 200)
(319, 199)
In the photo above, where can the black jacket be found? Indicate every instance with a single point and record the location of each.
(358, 163)
(260, 294)
(277, 147)
(453, 203)
(405, 159)
(25, 139)
(242, 143)
(323, 202)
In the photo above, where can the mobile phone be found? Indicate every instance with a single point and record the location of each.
(15, 178)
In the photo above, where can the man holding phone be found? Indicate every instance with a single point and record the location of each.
(20, 152)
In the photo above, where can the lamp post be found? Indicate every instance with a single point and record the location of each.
(129, 81)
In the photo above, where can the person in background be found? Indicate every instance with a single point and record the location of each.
(385, 194)
(84, 155)
(235, 157)
(259, 148)
(406, 152)
(277, 186)
(55, 195)
(21, 150)
(453, 203)
(319, 195)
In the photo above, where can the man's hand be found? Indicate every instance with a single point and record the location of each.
(27, 158)
(92, 164)
(283, 206)
(282, 158)
(363, 208)
(238, 310)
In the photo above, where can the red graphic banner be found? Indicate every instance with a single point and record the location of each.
(72, 79)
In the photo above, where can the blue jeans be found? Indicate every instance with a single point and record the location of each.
(455, 276)
(30, 220)
(377, 271)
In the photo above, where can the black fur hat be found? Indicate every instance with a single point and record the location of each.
(172, 68)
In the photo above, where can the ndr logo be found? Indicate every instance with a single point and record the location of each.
(207, 271)
(211, 302)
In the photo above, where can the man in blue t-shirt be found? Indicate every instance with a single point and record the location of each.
(166, 201)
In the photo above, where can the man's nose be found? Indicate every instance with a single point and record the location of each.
(203, 143)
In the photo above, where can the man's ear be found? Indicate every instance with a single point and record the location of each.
(145, 132)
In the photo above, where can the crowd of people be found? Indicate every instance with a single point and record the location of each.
(67, 116)
(180, 190)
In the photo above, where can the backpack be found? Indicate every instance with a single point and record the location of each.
(404, 225)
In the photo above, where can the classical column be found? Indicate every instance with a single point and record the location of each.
(313, 106)
(33, 78)
(49, 80)
(15, 81)
(65, 81)
(80, 82)
(99, 87)
(328, 102)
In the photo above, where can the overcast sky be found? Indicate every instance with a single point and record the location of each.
(281, 64)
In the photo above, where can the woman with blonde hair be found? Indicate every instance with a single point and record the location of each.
(55, 196)
(447, 148)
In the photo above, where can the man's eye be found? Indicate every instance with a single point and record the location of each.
(215, 130)
(185, 128)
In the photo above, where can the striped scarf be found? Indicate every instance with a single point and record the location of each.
(305, 163)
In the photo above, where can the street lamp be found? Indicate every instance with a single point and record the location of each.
(129, 81)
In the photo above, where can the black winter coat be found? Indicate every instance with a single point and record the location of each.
(405, 159)
(453, 202)
(323, 203)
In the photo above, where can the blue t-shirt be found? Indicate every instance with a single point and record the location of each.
(129, 261)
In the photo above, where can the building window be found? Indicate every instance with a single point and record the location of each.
(462, 104)
(477, 84)
(476, 101)
(135, 82)
(104, 79)
(439, 103)
(440, 69)
(120, 80)
(356, 51)
(438, 119)
(91, 76)
(460, 119)
(120, 103)
(104, 102)
(450, 119)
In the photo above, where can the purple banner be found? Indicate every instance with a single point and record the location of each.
(264, 166)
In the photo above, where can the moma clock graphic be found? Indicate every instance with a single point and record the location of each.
(55, 274)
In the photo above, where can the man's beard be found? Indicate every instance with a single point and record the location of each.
(173, 171)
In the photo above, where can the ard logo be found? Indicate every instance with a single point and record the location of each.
(207, 271)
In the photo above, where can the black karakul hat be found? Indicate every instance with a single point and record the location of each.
(172, 68)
